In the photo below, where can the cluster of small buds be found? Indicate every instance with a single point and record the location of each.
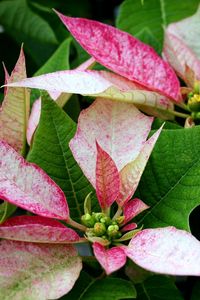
(100, 225)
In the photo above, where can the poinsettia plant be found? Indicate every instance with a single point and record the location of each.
(75, 196)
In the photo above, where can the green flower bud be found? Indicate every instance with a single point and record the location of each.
(106, 220)
(99, 229)
(113, 231)
(194, 103)
(88, 220)
(90, 232)
(120, 220)
(98, 216)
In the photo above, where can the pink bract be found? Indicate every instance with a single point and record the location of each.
(38, 230)
(107, 178)
(133, 208)
(124, 54)
(166, 250)
(110, 259)
(120, 128)
(28, 186)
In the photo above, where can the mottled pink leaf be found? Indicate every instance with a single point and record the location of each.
(120, 128)
(107, 178)
(124, 54)
(33, 120)
(110, 259)
(130, 175)
(182, 46)
(166, 250)
(14, 111)
(37, 271)
(129, 227)
(97, 84)
(133, 208)
(37, 229)
(28, 186)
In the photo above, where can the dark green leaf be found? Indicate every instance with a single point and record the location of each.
(147, 20)
(196, 291)
(27, 27)
(51, 152)
(170, 183)
(109, 289)
(58, 61)
(6, 210)
(158, 288)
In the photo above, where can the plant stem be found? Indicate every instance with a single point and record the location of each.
(76, 225)
(178, 114)
(118, 213)
(183, 106)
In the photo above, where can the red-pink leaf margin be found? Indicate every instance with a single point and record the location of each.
(33, 120)
(38, 230)
(28, 186)
(110, 259)
(133, 208)
(129, 227)
(124, 54)
(166, 250)
(37, 271)
(107, 178)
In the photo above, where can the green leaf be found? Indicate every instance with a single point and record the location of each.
(158, 288)
(6, 210)
(26, 26)
(51, 152)
(147, 20)
(58, 61)
(196, 291)
(170, 183)
(109, 289)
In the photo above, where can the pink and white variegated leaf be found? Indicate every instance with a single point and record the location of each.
(33, 120)
(97, 84)
(124, 54)
(14, 111)
(120, 128)
(182, 46)
(37, 271)
(129, 227)
(166, 251)
(38, 230)
(130, 175)
(133, 208)
(28, 186)
(112, 259)
(107, 178)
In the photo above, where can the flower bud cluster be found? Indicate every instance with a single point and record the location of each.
(100, 225)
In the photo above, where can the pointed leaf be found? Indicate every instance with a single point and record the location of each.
(55, 131)
(96, 84)
(6, 210)
(15, 109)
(36, 271)
(166, 250)
(133, 208)
(130, 175)
(37, 229)
(183, 37)
(109, 289)
(109, 122)
(170, 182)
(26, 185)
(7, 76)
(112, 259)
(124, 54)
(107, 178)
